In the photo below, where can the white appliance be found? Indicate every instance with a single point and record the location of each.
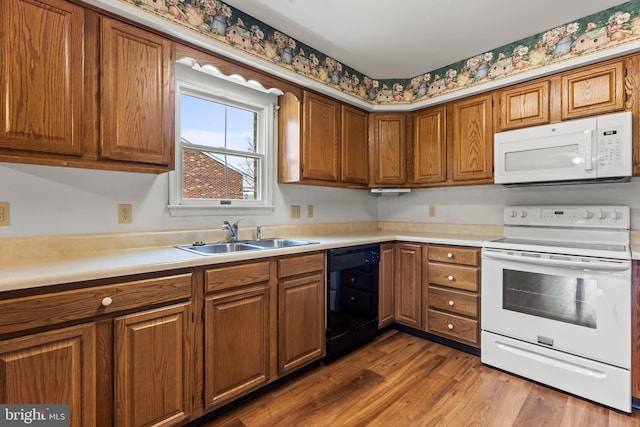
(556, 300)
(595, 148)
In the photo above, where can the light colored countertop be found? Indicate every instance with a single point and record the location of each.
(33, 269)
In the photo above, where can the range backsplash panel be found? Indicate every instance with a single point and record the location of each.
(224, 24)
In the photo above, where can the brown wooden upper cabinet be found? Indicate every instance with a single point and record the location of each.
(355, 146)
(136, 95)
(524, 105)
(321, 141)
(429, 146)
(389, 149)
(470, 129)
(83, 90)
(594, 90)
(42, 72)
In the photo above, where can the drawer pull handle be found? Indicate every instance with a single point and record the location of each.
(106, 301)
(450, 278)
(451, 303)
(449, 255)
(450, 326)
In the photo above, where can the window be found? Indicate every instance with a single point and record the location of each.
(225, 134)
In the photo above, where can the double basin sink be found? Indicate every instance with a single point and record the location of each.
(247, 245)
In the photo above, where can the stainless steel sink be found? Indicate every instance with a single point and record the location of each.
(218, 248)
(247, 245)
(278, 243)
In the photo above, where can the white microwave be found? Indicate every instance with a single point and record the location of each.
(582, 150)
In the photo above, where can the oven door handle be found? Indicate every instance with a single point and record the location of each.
(590, 265)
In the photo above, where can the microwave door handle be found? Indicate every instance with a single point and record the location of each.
(588, 159)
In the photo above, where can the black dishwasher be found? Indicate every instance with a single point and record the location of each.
(352, 297)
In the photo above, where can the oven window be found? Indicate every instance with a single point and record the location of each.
(562, 298)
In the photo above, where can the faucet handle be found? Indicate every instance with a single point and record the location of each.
(235, 224)
(258, 232)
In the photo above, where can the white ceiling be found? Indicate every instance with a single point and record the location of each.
(404, 38)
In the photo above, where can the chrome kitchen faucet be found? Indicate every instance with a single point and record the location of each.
(232, 229)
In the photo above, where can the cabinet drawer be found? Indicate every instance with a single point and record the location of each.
(48, 309)
(465, 256)
(453, 301)
(454, 327)
(300, 264)
(454, 276)
(218, 279)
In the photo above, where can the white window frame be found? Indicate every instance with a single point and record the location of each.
(209, 83)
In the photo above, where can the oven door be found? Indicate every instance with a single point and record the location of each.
(573, 304)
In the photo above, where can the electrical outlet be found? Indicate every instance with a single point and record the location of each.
(125, 214)
(432, 211)
(4, 213)
(295, 211)
(309, 211)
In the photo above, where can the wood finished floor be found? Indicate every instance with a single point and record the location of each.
(402, 380)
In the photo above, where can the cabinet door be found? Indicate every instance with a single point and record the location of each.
(408, 284)
(524, 105)
(321, 137)
(153, 375)
(595, 90)
(301, 333)
(429, 146)
(55, 367)
(136, 95)
(42, 76)
(389, 149)
(386, 291)
(355, 146)
(472, 139)
(236, 343)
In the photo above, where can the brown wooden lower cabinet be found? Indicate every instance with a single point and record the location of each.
(408, 284)
(153, 378)
(301, 328)
(54, 367)
(386, 289)
(435, 288)
(237, 343)
(128, 361)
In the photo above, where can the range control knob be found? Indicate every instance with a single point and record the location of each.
(602, 214)
(587, 214)
(523, 213)
(513, 213)
(616, 215)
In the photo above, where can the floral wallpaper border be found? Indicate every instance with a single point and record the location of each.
(218, 21)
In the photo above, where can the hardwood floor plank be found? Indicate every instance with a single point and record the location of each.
(404, 381)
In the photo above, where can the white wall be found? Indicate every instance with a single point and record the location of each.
(47, 200)
(484, 204)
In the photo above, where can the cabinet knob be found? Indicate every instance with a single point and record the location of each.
(449, 255)
(450, 326)
(451, 303)
(106, 301)
(450, 278)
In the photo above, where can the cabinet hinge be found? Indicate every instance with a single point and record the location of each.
(492, 103)
(203, 314)
(302, 99)
(301, 168)
(193, 317)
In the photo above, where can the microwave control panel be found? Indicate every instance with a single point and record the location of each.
(609, 148)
